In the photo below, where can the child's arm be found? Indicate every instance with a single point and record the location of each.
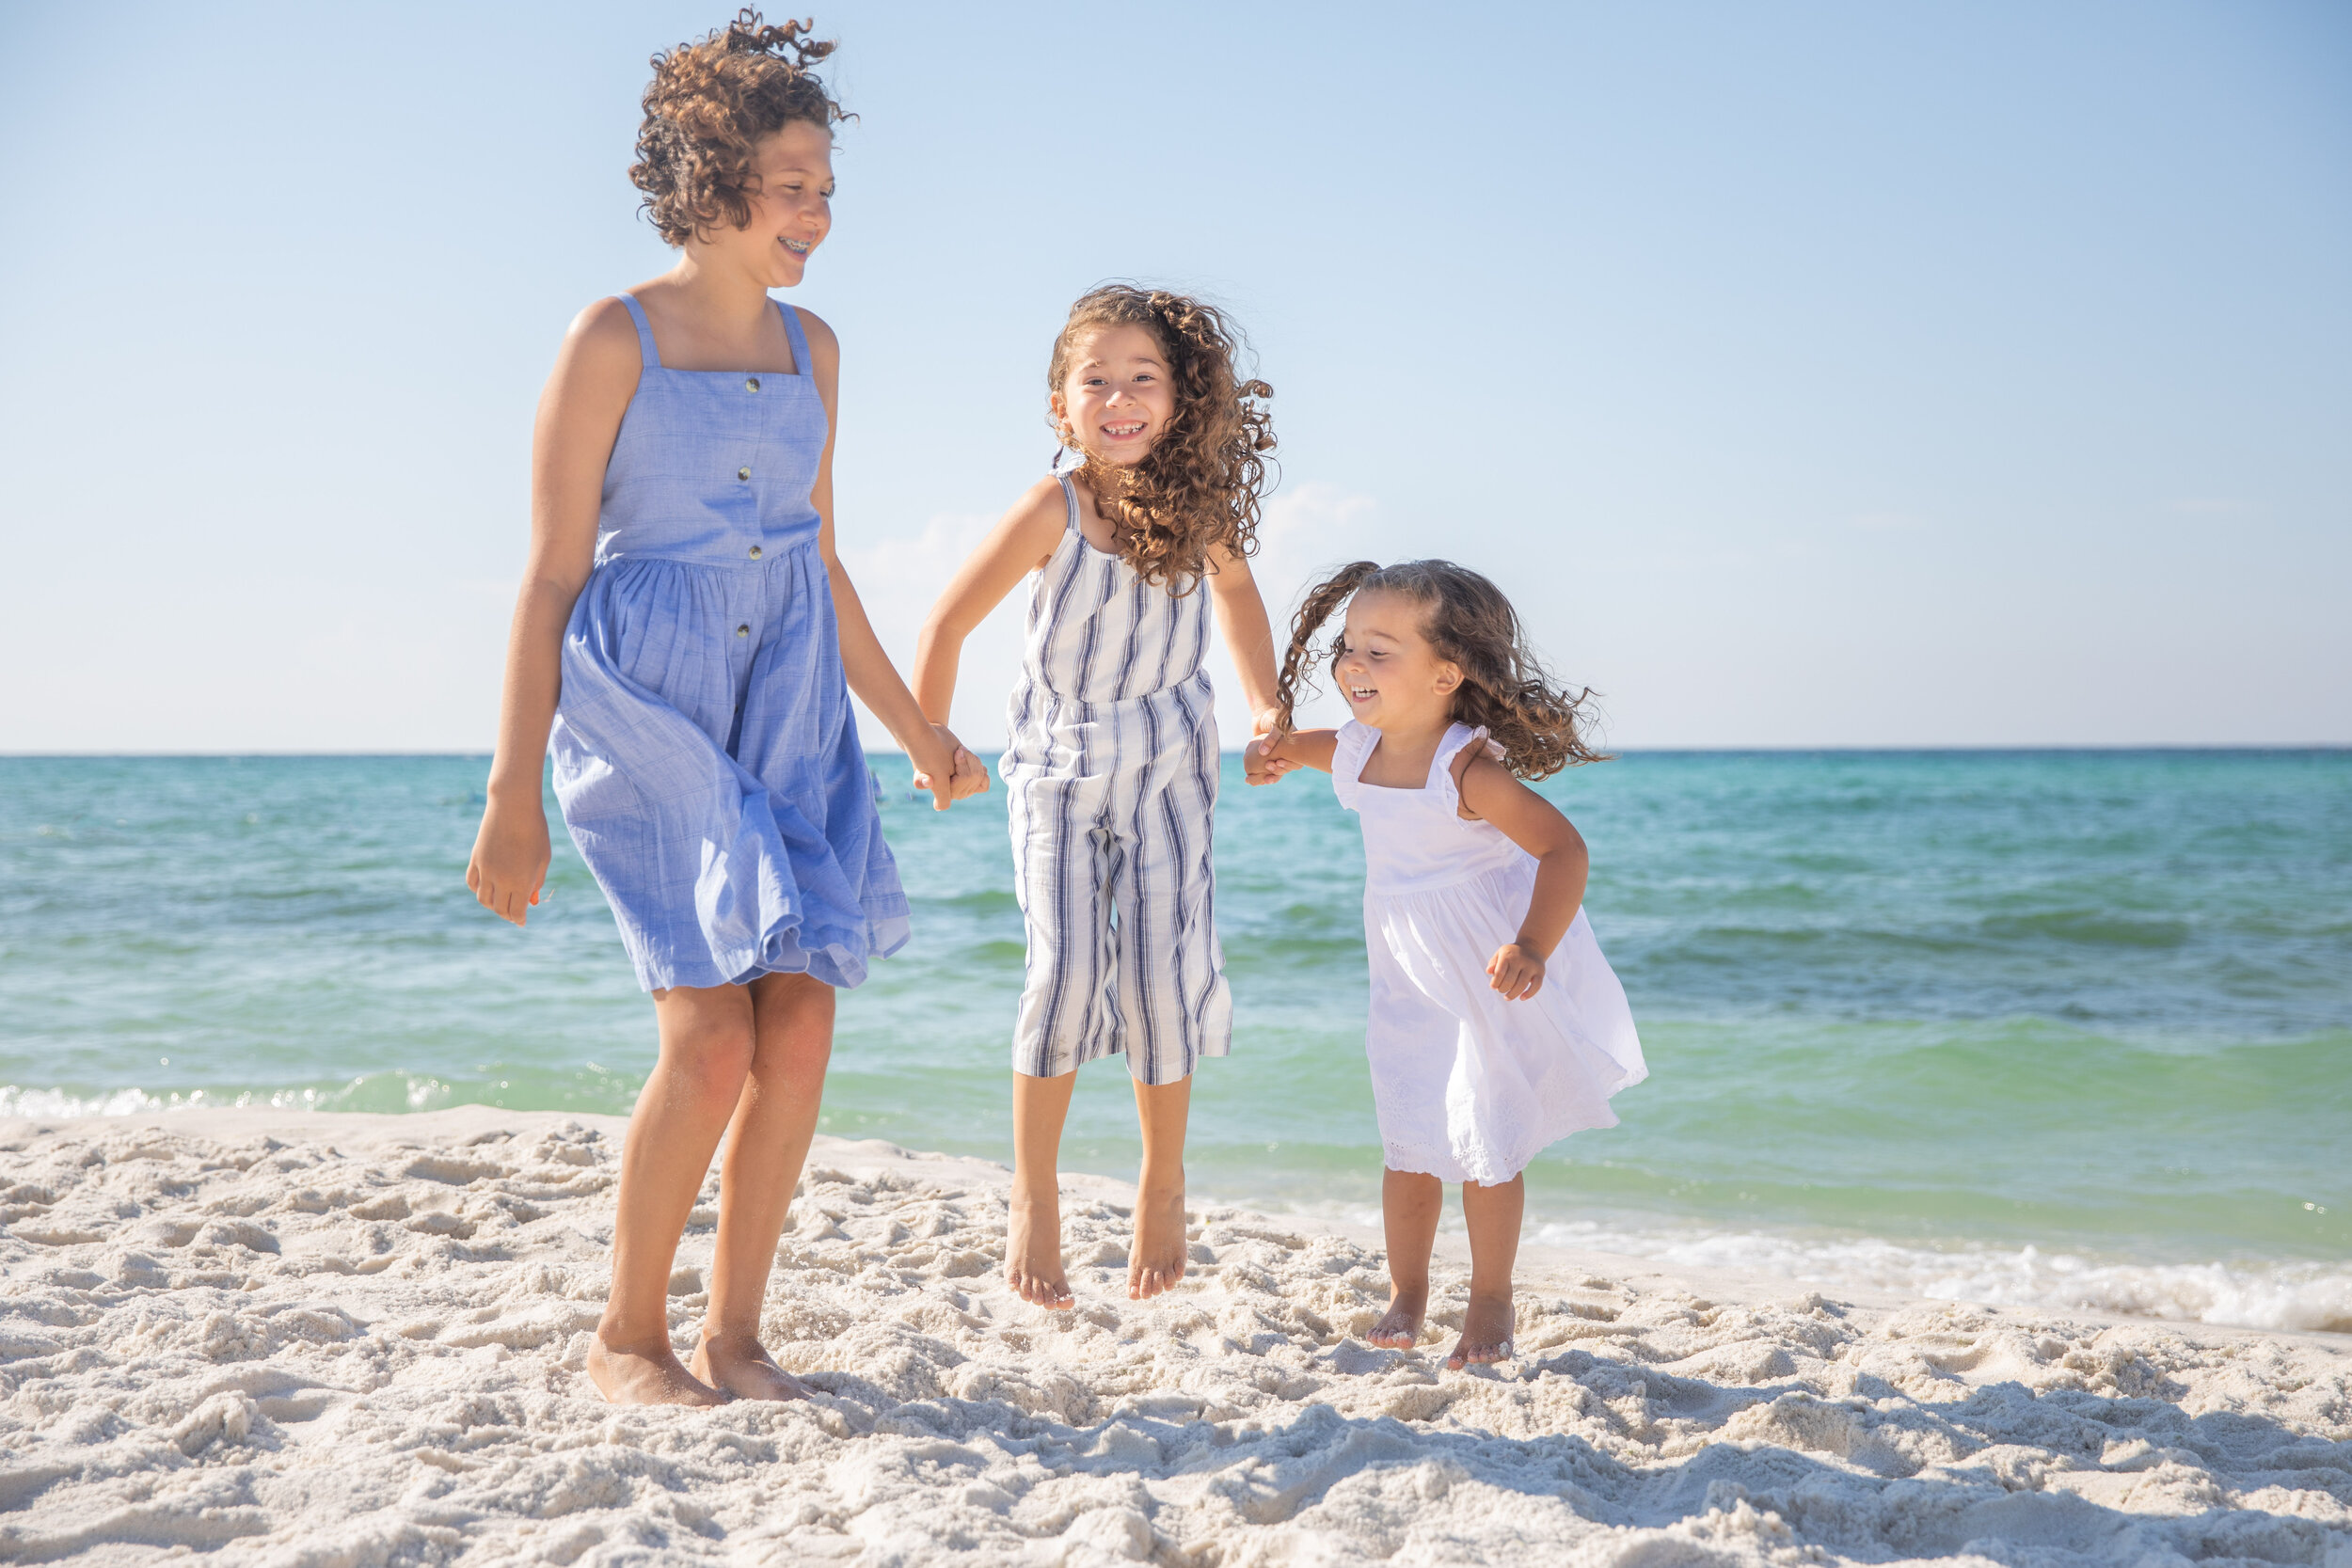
(1535, 824)
(1022, 541)
(934, 751)
(1248, 634)
(579, 414)
(1299, 749)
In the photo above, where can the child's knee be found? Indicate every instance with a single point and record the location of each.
(793, 1061)
(712, 1057)
(792, 1021)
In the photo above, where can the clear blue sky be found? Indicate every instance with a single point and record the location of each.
(1848, 374)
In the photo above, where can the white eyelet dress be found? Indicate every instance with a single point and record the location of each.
(1111, 772)
(1471, 1087)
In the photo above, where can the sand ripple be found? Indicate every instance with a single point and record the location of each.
(358, 1340)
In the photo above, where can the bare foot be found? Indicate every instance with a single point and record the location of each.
(1485, 1332)
(650, 1375)
(1157, 1262)
(1033, 1251)
(1399, 1327)
(740, 1365)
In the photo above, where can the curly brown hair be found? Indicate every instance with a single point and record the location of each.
(1199, 487)
(1468, 620)
(707, 107)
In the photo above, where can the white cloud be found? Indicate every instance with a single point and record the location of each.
(898, 581)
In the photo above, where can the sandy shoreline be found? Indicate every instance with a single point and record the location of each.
(353, 1339)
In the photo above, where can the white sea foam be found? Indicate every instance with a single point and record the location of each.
(2251, 1293)
(2296, 1294)
(45, 1103)
(58, 1104)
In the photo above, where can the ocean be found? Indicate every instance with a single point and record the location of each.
(2061, 1029)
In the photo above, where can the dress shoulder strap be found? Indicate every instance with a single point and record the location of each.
(645, 332)
(1070, 498)
(801, 365)
(1349, 755)
(1441, 788)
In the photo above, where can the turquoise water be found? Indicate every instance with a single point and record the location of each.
(2062, 1027)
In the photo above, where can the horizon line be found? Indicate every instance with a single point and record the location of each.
(1997, 748)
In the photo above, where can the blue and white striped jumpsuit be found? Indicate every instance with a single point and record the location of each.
(1112, 772)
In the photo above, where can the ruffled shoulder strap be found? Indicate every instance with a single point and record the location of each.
(1442, 789)
(1354, 745)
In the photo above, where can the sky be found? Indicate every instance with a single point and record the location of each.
(1809, 374)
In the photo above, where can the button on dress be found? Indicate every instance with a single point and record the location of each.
(1471, 1087)
(706, 759)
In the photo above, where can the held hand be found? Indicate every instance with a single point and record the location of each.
(934, 759)
(968, 775)
(1518, 973)
(509, 864)
(971, 775)
(1258, 768)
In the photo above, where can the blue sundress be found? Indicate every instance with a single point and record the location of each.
(706, 759)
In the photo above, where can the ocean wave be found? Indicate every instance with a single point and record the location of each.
(2305, 1295)
(2091, 928)
(374, 1092)
(2297, 1294)
(56, 1103)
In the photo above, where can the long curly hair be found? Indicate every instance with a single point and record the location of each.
(707, 107)
(1504, 686)
(1199, 488)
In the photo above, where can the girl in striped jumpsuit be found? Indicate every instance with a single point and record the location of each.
(1147, 520)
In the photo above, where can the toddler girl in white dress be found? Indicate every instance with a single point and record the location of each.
(1496, 1026)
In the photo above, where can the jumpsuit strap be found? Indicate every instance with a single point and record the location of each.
(801, 365)
(1069, 495)
(645, 332)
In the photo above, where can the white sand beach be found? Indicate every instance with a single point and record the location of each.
(349, 1340)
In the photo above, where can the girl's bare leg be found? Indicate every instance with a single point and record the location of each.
(1157, 1262)
(1492, 1216)
(766, 1143)
(1033, 1250)
(707, 1045)
(1410, 1203)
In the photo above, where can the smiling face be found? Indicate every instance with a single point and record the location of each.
(1116, 396)
(791, 210)
(1387, 668)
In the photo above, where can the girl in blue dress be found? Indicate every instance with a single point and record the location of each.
(685, 643)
